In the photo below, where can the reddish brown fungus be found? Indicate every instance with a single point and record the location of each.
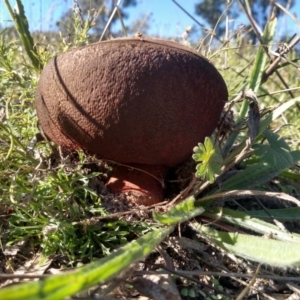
(134, 101)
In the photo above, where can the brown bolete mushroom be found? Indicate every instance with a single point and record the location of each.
(140, 102)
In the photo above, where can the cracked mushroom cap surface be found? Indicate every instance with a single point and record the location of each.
(131, 100)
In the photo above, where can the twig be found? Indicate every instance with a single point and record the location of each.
(264, 47)
(287, 12)
(247, 288)
(169, 271)
(183, 193)
(23, 276)
(220, 224)
(219, 20)
(122, 22)
(186, 12)
(147, 209)
(110, 19)
(254, 26)
(279, 92)
(138, 169)
(218, 274)
(245, 194)
(272, 68)
(279, 224)
(168, 261)
(293, 287)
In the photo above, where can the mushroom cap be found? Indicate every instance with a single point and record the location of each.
(132, 100)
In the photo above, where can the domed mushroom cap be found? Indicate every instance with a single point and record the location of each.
(144, 101)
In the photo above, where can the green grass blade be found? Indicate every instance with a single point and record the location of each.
(21, 24)
(245, 221)
(61, 286)
(182, 212)
(261, 58)
(258, 173)
(264, 123)
(267, 251)
(290, 175)
(276, 113)
(260, 63)
(284, 214)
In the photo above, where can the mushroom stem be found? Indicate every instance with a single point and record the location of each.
(143, 183)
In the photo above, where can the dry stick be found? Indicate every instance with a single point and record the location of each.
(224, 269)
(148, 209)
(110, 19)
(225, 43)
(283, 47)
(266, 210)
(295, 288)
(226, 37)
(279, 92)
(258, 35)
(138, 169)
(201, 25)
(218, 21)
(186, 12)
(221, 267)
(285, 84)
(184, 193)
(235, 276)
(254, 27)
(287, 12)
(168, 261)
(277, 60)
(244, 153)
(221, 126)
(271, 69)
(169, 271)
(217, 274)
(220, 224)
(109, 161)
(245, 194)
(247, 288)
(116, 281)
(122, 22)
(23, 276)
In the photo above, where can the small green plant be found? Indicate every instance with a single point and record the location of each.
(211, 159)
(214, 296)
(21, 24)
(188, 292)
